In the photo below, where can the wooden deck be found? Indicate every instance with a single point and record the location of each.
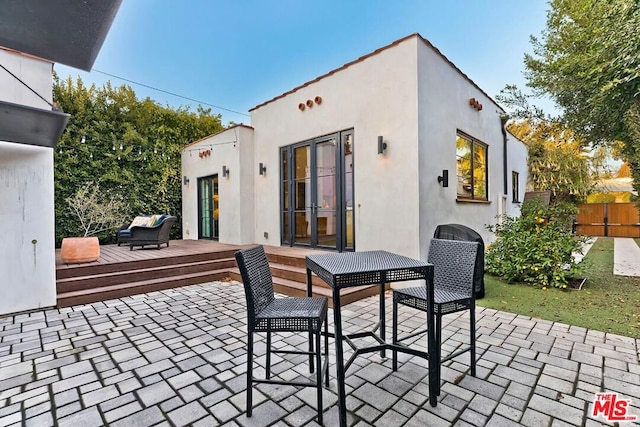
(120, 272)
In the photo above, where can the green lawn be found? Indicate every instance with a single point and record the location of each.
(606, 303)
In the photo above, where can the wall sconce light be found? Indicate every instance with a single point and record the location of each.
(185, 180)
(381, 145)
(225, 171)
(262, 169)
(444, 178)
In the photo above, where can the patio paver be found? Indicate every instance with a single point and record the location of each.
(177, 357)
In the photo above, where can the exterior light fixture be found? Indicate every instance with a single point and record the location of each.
(225, 171)
(381, 145)
(262, 169)
(185, 180)
(444, 178)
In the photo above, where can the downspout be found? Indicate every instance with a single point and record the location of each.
(503, 121)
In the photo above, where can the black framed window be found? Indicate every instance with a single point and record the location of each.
(471, 168)
(515, 185)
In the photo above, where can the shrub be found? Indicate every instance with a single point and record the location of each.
(535, 247)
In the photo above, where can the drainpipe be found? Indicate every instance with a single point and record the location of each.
(503, 121)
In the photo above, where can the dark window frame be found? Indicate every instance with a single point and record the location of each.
(515, 186)
(474, 142)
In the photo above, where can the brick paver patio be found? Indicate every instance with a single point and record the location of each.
(178, 357)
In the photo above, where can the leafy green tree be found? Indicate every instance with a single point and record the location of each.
(558, 161)
(587, 61)
(129, 147)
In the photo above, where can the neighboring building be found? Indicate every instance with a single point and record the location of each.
(358, 159)
(65, 31)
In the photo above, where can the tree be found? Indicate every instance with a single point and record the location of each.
(558, 161)
(587, 61)
(131, 148)
(95, 211)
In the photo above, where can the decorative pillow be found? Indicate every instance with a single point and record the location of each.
(141, 221)
(156, 220)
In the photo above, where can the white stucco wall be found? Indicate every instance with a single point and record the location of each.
(232, 148)
(444, 109)
(27, 247)
(35, 72)
(375, 96)
(517, 155)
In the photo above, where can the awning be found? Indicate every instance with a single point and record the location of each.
(29, 125)
(69, 32)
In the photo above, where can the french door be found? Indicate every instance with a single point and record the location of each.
(208, 203)
(317, 192)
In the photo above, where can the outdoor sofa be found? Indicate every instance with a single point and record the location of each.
(146, 231)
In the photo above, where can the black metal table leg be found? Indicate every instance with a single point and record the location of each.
(340, 375)
(434, 360)
(310, 294)
(382, 314)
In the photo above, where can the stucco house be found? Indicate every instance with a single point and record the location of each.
(34, 34)
(372, 155)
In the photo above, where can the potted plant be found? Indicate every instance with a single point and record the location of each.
(95, 213)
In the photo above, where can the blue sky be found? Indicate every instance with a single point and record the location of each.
(236, 54)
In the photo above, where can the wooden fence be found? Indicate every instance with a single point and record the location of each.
(608, 219)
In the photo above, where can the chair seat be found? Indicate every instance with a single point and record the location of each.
(446, 301)
(293, 314)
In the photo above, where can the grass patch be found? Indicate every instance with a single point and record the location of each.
(606, 303)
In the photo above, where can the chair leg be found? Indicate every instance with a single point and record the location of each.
(268, 355)
(311, 339)
(326, 351)
(439, 348)
(249, 374)
(318, 377)
(394, 352)
(472, 337)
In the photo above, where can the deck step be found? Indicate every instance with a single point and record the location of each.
(127, 276)
(86, 296)
(133, 264)
(299, 289)
(116, 276)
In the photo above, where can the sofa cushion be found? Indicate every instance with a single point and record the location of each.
(141, 221)
(124, 233)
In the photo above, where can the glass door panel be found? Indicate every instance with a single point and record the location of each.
(347, 142)
(324, 208)
(284, 189)
(302, 195)
(216, 208)
(204, 211)
(208, 207)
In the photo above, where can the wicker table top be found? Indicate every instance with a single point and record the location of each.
(365, 268)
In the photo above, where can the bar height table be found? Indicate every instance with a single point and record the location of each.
(347, 269)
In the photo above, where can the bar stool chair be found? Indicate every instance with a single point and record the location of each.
(269, 314)
(454, 264)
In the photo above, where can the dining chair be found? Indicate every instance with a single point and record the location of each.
(453, 291)
(269, 314)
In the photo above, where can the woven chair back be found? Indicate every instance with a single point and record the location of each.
(257, 280)
(454, 264)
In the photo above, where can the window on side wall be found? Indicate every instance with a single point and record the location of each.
(471, 168)
(515, 184)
